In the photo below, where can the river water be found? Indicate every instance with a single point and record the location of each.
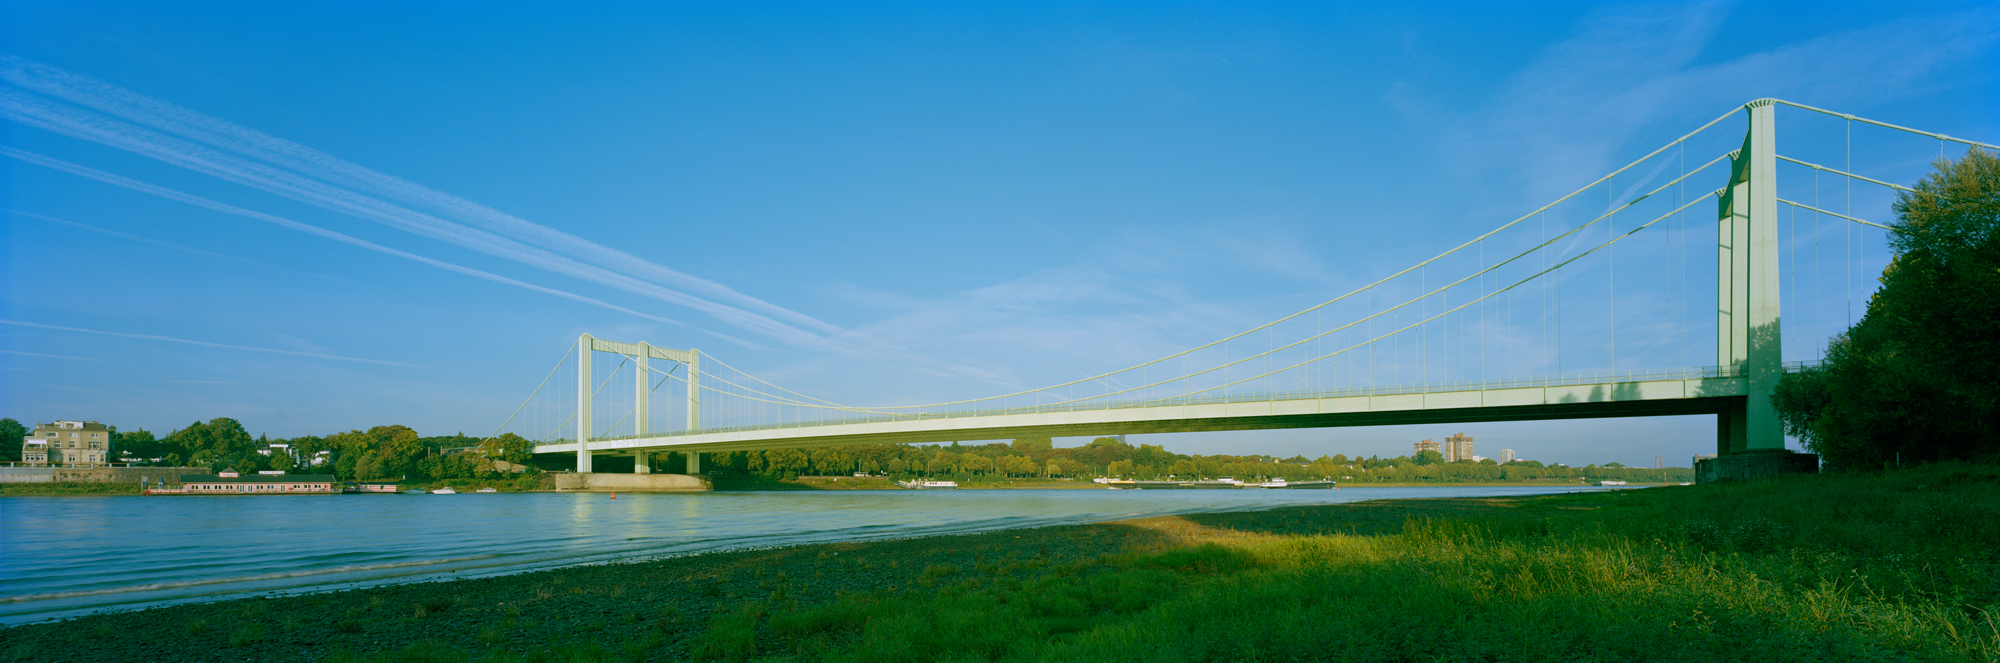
(67, 556)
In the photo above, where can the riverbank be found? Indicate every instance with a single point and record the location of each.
(1821, 567)
(66, 488)
(723, 482)
(743, 482)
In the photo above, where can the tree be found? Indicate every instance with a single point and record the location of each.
(139, 445)
(1918, 377)
(1428, 457)
(11, 434)
(1030, 445)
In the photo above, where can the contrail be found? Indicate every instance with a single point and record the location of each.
(59, 118)
(134, 238)
(38, 354)
(151, 337)
(226, 208)
(223, 135)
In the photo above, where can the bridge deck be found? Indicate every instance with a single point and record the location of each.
(1704, 391)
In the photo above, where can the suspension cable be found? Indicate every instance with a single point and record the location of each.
(1462, 306)
(1358, 290)
(531, 397)
(1853, 118)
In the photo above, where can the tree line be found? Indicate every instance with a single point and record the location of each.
(1111, 457)
(1917, 379)
(400, 453)
(381, 452)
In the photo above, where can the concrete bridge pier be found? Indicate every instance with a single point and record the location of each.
(640, 460)
(1749, 439)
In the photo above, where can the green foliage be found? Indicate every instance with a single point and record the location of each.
(11, 432)
(1918, 378)
(137, 445)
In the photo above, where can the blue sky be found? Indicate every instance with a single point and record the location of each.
(314, 217)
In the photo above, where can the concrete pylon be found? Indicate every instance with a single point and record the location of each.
(585, 345)
(1747, 325)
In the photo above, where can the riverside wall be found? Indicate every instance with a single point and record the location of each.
(96, 474)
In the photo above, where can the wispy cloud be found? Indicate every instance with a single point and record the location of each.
(135, 238)
(170, 339)
(208, 145)
(38, 354)
(226, 208)
(1569, 117)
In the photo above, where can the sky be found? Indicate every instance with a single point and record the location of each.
(315, 217)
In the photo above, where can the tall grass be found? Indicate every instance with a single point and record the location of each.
(1897, 566)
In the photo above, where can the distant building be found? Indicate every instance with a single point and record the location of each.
(1506, 456)
(72, 443)
(1426, 445)
(1457, 447)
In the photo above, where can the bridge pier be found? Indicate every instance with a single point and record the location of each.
(639, 462)
(1747, 322)
(1749, 439)
(694, 462)
(584, 345)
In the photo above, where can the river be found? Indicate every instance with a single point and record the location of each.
(68, 556)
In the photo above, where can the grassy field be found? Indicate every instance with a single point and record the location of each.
(1899, 566)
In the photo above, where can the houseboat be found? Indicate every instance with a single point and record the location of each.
(231, 482)
(927, 485)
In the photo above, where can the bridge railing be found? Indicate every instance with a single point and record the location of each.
(1706, 372)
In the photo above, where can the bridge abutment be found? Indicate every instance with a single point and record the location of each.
(630, 483)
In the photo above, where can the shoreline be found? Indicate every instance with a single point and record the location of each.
(676, 594)
(1717, 572)
(734, 484)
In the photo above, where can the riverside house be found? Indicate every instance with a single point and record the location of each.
(71, 443)
(230, 482)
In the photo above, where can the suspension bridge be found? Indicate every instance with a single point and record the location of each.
(1522, 322)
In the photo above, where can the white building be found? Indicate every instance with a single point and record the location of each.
(1506, 456)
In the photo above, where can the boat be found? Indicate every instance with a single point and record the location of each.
(927, 485)
(444, 491)
(414, 491)
(1610, 483)
(487, 490)
(1298, 485)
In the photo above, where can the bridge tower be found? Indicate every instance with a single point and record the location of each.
(1747, 319)
(642, 410)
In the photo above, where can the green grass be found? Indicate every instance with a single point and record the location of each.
(1897, 566)
(67, 488)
